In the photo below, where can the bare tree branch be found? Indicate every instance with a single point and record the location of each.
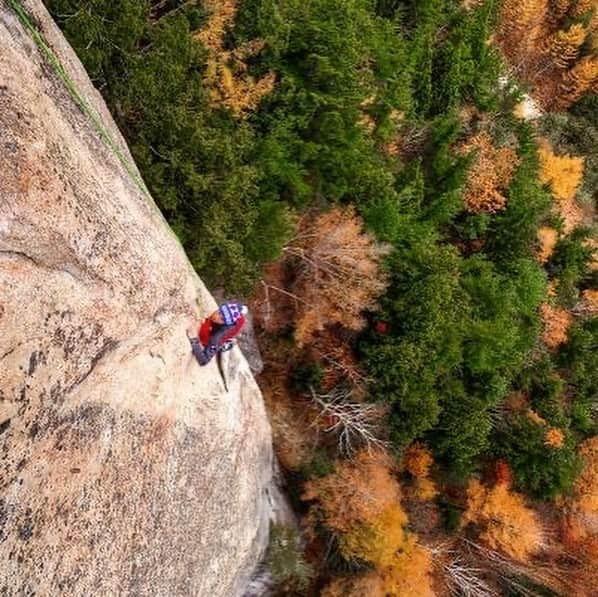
(356, 424)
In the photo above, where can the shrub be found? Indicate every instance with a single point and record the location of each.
(306, 376)
(285, 560)
(321, 465)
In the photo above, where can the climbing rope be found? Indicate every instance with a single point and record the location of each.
(94, 117)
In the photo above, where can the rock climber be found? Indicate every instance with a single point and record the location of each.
(218, 330)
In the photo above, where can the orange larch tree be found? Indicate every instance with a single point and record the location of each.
(552, 45)
(589, 302)
(506, 523)
(556, 325)
(547, 240)
(559, 8)
(357, 492)
(338, 272)
(564, 45)
(579, 525)
(586, 486)
(583, 7)
(581, 78)
(417, 460)
(489, 175)
(521, 16)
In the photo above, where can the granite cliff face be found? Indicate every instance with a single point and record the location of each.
(125, 467)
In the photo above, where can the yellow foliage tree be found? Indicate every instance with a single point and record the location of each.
(425, 489)
(489, 175)
(226, 73)
(222, 15)
(360, 504)
(402, 566)
(417, 461)
(564, 46)
(506, 523)
(562, 173)
(408, 577)
(378, 540)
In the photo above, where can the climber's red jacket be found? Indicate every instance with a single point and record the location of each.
(209, 326)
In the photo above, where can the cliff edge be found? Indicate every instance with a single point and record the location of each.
(125, 467)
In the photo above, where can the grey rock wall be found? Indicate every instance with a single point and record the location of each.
(125, 468)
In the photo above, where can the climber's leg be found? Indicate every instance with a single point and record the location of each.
(208, 353)
(198, 351)
(205, 355)
(218, 335)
